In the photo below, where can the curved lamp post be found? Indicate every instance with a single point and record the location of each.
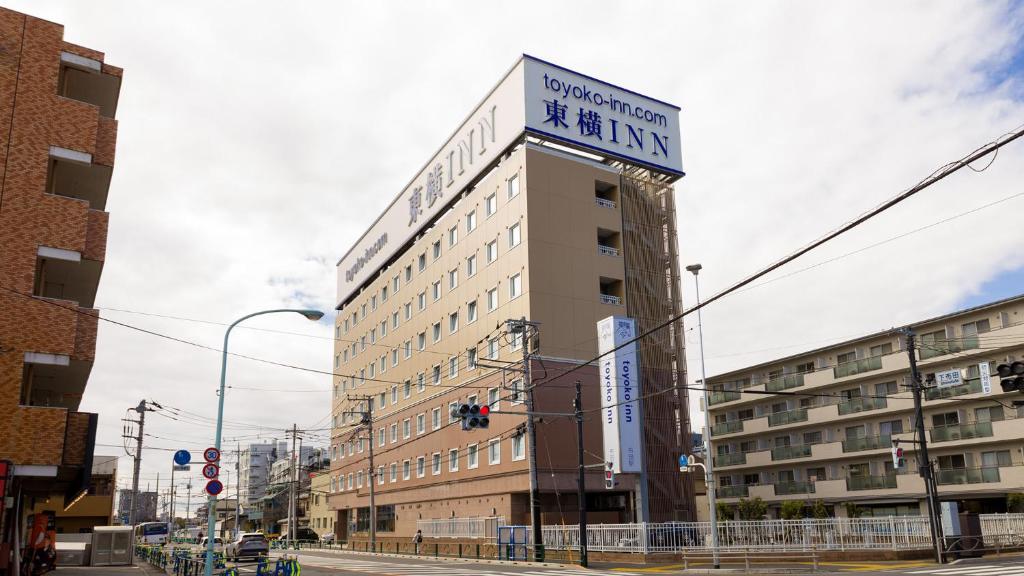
(211, 502)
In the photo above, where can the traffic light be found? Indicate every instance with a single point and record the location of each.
(609, 479)
(897, 457)
(1011, 376)
(473, 416)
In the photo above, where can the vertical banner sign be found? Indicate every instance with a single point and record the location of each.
(620, 390)
(986, 378)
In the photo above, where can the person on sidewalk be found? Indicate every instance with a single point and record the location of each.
(417, 540)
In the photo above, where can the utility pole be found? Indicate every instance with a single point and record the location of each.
(367, 420)
(141, 409)
(924, 463)
(157, 496)
(578, 407)
(188, 505)
(293, 472)
(523, 328)
(172, 491)
(238, 485)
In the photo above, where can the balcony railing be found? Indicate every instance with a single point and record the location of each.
(961, 431)
(867, 443)
(607, 250)
(871, 482)
(609, 299)
(738, 491)
(970, 386)
(785, 488)
(783, 418)
(944, 346)
(857, 367)
(604, 203)
(729, 427)
(720, 396)
(966, 475)
(784, 382)
(854, 405)
(734, 459)
(790, 452)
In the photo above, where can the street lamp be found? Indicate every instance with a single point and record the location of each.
(709, 478)
(313, 315)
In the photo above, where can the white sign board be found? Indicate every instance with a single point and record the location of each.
(585, 111)
(537, 97)
(986, 378)
(948, 378)
(620, 392)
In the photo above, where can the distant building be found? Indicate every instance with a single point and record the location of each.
(95, 508)
(145, 507)
(321, 517)
(254, 475)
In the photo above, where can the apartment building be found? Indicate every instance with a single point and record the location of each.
(833, 444)
(57, 140)
(254, 462)
(529, 211)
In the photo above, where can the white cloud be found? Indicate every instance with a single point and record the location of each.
(256, 144)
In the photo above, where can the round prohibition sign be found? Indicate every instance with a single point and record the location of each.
(211, 471)
(214, 487)
(211, 454)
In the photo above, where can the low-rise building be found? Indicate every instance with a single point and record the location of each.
(321, 517)
(94, 508)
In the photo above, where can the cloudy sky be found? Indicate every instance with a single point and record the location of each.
(255, 144)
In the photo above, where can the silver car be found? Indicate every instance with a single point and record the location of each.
(249, 545)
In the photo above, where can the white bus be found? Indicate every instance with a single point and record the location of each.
(153, 533)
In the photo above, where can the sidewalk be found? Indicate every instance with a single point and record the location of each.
(141, 569)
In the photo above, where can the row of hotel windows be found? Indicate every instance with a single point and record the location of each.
(491, 206)
(338, 451)
(493, 298)
(355, 479)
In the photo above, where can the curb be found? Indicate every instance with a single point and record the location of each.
(443, 558)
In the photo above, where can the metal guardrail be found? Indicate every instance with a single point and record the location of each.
(484, 528)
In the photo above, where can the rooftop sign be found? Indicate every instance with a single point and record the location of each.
(536, 97)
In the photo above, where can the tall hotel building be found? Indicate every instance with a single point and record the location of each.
(834, 443)
(553, 203)
(57, 139)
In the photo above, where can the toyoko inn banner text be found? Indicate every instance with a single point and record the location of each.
(620, 393)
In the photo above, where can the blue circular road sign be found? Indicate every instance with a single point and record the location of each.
(214, 487)
(182, 457)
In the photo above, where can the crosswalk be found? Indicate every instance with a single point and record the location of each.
(1001, 569)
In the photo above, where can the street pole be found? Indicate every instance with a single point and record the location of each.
(293, 472)
(157, 495)
(578, 406)
(188, 505)
(172, 492)
(238, 485)
(531, 432)
(709, 477)
(313, 315)
(924, 463)
(373, 478)
(141, 409)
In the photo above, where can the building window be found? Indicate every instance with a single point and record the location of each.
(453, 407)
(453, 460)
(492, 251)
(492, 299)
(494, 451)
(394, 471)
(394, 320)
(383, 328)
(435, 418)
(408, 273)
(471, 312)
(515, 286)
(408, 310)
(406, 429)
(421, 424)
(518, 447)
(436, 374)
(422, 262)
(421, 341)
(407, 389)
(492, 348)
(513, 186)
(373, 303)
(493, 399)
(396, 283)
(381, 437)
(373, 336)
(514, 235)
(471, 221)
(421, 300)
(995, 459)
(380, 477)
(472, 456)
(453, 279)
(421, 382)
(406, 465)
(453, 322)
(394, 394)
(408, 349)
(516, 395)
(436, 328)
(471, 359)
(453, 236)
(359, 479)
(471, 266)
(453, 367)
(435, 463)
(881, 349)
(437, 290)
(491, 204)
(516, 341)
(394, 357)
(437, 249)
(421, 467)
(394, 433)
(384, 293)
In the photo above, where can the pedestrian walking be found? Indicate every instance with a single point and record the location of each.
(417, 540)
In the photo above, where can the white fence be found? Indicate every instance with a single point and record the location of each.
(485, 528)
(891, 533)
(1002, 529)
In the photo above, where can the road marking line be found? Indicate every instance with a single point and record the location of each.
(950, 570)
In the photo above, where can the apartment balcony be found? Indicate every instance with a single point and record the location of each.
(965, 431)
(611, 300)
(730, 427)
(84, 79)
(791, 452)
(736, 491)
(947, 346)
(857, 367)
(966, 476)
(790, 417)
(75, 174)
(604, 202)
(607, 250)
(784, 382)
(734, 459)
(858, 483)
(65, 275)
(788, 488)
(720, 396)
(867, 443)
(970, 386)
(854, 405)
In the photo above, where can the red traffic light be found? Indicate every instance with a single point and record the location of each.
(485, 410)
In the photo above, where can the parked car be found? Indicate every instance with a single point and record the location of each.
(249, 545)
(304, 534)
(327, 538)
(218, 544)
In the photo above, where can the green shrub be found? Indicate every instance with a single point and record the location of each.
(752, 509)
(725, 511)
(792, 509)
(819, 510)
(1015, 502)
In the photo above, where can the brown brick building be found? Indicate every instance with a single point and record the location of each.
(57, 139)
